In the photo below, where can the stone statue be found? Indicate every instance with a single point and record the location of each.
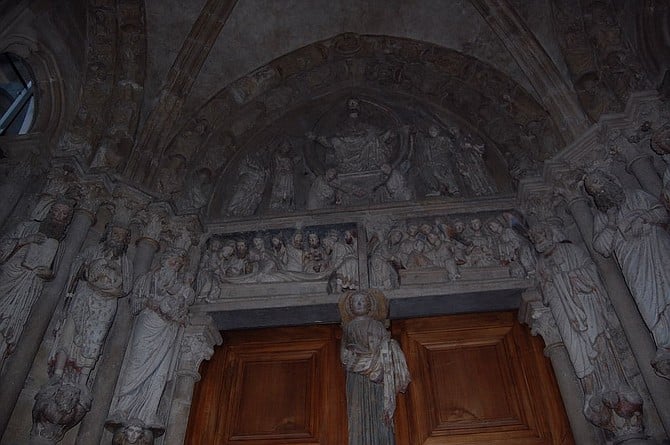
(249, 188)
(160, 300)
(376, 368)
(283, 192)
(357, 145)
(58, 407)
(327, 190)
(470, 164)
(99, 276)
(294, 253)
(479, 252)
(394, 186)
(343, 259)
(629, 224)
(197, 190)
(511, 250)
(573, 291)
(442, 254)
(382, 265)
(28, 257)
(660, 143)
(433, 158)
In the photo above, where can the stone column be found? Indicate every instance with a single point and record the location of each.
(541, 321)
(639, 337)
(19, 364)
(109, 367)
(197, 344)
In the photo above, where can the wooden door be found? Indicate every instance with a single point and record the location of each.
(271, 387)
(476, 379)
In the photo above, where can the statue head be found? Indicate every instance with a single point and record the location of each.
(174, 258)
(348, 237)
(331, 174)
(394, 236)
(459, 226)
(360, 304)
(495, 226)
(371, 303)
(60, 212)
(241, 248)
(313, 240)
(353, 106)
(476, 224)
(386, 169)
(228, 248)
(604, 190)
(542, 236)
(259, 243)
(412, 229)
(433, 131)
(116, 239)
(297, 240)
(276, 241)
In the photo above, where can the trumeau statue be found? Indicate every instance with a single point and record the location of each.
(28, 256)
(629, 224)
(160, 300)
(99, 276)
(375, 365)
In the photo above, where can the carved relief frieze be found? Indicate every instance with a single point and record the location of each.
(318, 258)
(443, 249)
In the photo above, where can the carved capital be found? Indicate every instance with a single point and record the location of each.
(90, 197)
(540, 319)
(152, 222)
(200, 337)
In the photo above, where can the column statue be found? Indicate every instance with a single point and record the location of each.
(629, 224)
(28, 257)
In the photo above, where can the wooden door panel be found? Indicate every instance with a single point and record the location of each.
(279, 386)
(477, 380)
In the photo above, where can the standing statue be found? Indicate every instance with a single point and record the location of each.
(660, 143)
(249, 188)
(433, 157)
(160, 301)
(283, 192)
(99, 276)
(382, 265)
(470, 163)
(28, 257)
(394, 185)
(573, 291)
(629, 224)
(376, 368)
